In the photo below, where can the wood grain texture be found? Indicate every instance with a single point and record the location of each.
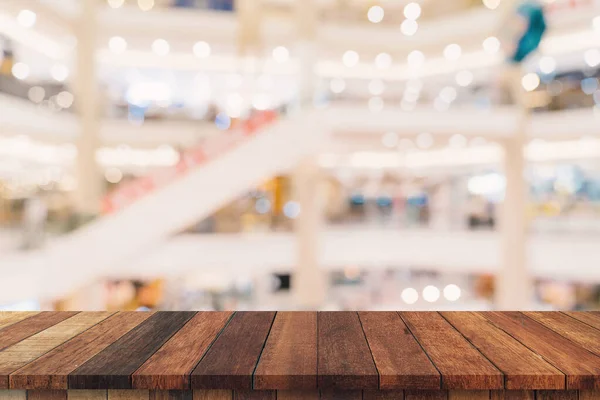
(468, 395)
(461, 365)
(170, 367)
(51, 370)
(6, 394)
(298, 395)
(425, 394)
(122, 394)
(87, 394)
(512, 395)
(344, 358)
(335, 394)
(591, 318)
(22, 353)
(46, 395)
(574, 330)
(112, 367)
(589, 395)
(581, 367)
(30, 326)
(556, 395)
(399, 359)
(522, 368)
(220, 394)
(170, 395)
(383, 394)
(254, 395)
(232, 358)
(289, 359)
(8, 318)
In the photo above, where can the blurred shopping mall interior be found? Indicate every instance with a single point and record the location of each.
(298, 154)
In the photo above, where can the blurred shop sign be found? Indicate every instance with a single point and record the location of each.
(192, 158)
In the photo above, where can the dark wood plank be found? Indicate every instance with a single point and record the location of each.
(27, 350)
(591, 318)
(512, 395)
(289, 359)
(415, 394)
(589, 395)
(339, 394)
(8, 318)
(468, 395)
(581, 367)
(112, 367)
(574, 330)
(170, 395)
(220, 394)
(298, 395)
(556, 395)
(344, 358)
(400, 360)
(46, 395)
(461, 365)
(522, 368)
(30, 326)
(231, 360)
(254, 395)
(383, 394)
(170, 367)
(51, 370)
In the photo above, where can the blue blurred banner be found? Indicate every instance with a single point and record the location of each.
(532, 14)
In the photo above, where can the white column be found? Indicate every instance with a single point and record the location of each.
(89, 184)
(309, 281)
(305, 50)
(514, 289)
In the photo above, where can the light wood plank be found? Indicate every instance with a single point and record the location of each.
(468, 395)
(128, 394)
(34, 346)
(6, 394)
(8, 318)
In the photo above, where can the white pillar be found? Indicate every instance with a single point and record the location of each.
(309, 281)
(89, 184)
(514, 289)
(305, 50)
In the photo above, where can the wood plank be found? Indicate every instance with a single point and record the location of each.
(24, 352)
(574, 330)
(6, 394)
(289, 359)
(219, 394)
(344, 358)
(170, 367)
(556, 395)
(52, 369)
(468, 395)
(46, 395)
(170, 395)
(461, 365)
(592, 318)
(76, 394)
(399, 359)
(522, 368)
(30, 326)
(113, 366)
(254, 395)
(512, 395)
(8, 318)
(298, 395)
(231, 360)
(589, 395)
(383, 394)
(581, 367)
(339, 394)
(124, 394)
(414, 394)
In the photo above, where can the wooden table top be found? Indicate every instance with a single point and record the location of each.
(300, 350)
